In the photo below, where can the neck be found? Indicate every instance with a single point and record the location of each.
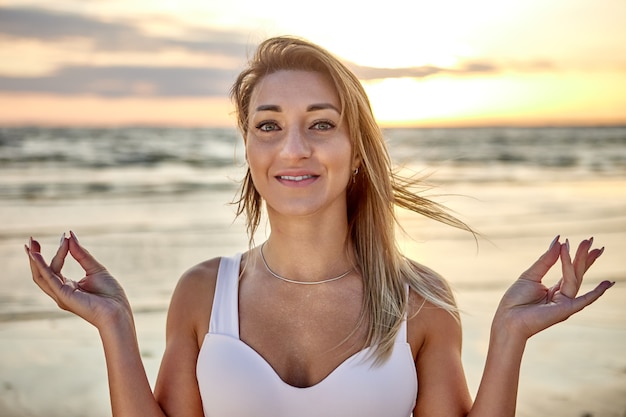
(309, 249)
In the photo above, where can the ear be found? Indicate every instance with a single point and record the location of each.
(356, 162)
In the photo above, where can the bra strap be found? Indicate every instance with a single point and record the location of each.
(401, 337)
(225, 310)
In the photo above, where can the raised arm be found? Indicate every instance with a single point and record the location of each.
(99, 299)
(527, 308)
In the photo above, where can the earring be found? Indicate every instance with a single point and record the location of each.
(356, 171)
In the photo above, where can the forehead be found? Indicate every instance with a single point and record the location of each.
(294, 88)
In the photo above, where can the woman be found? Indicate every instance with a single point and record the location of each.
(326, 317)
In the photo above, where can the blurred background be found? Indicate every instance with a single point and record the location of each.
(444, 63)
(115, 123)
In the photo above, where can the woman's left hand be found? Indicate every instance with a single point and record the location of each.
(529, 307)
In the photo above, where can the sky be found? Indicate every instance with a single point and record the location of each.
(423, 63)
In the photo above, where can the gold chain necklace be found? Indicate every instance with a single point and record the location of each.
(324, 281)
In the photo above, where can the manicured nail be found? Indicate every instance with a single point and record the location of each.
(601, 251)
(74, 236)
(62, 239)
(567, 245)
(556, 239)
(30, 242)
(29, 252)
(612, 283)
(591, 241)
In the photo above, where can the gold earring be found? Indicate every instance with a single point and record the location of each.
(356, 171)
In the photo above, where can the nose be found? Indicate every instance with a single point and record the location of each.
(295, 145)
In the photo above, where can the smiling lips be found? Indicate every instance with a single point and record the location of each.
(295, 178)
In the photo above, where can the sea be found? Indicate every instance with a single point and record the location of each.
(60, 163)
(152, 201)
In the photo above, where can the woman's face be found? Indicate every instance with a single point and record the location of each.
(300, 155)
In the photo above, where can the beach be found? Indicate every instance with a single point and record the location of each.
(150, 219)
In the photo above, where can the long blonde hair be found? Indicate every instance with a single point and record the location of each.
(371, 198)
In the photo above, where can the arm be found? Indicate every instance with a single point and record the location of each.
(527, 308)
(442, 390)
(187, 324)
(100, 300)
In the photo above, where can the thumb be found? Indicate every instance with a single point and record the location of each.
(95, 285)
(83, 257)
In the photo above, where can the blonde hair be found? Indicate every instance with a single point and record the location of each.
(371, 198)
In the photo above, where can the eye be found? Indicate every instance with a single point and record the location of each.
(267, 126)
(323, 125)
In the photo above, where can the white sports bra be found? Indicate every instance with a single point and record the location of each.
(235, 381)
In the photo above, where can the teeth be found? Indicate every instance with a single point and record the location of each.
(298, 178)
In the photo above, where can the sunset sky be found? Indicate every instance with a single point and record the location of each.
(423, 63)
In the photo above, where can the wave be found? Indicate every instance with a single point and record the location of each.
(39, 162)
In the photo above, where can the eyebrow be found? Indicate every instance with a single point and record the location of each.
(312, 107)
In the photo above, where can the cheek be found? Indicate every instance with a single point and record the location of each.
(257, 161)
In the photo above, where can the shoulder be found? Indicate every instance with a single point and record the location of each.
(432, 312)
(202, 276)
(435, 335)
(192, 300)
(189, 312)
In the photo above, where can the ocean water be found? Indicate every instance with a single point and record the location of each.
(61, 163)
(151, 202)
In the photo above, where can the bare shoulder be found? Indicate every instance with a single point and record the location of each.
(429, 322)
(202, 274)
(192, 300)
(434, 333)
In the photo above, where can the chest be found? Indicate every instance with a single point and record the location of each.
(303, 333)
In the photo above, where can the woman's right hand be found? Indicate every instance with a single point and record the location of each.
(97, 297)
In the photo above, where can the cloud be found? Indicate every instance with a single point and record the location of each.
(468, 68)
(121, 38)
(172, 80)
(47, 25)
(119, 81)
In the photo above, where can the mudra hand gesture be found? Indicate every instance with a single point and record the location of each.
(529, 307)
(98, 298)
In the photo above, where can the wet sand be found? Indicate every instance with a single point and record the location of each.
(55, 367)
(52, 364)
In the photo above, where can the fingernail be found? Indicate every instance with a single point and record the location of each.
(28, 252)
(74, 236)
(612, 283)
(556, 239)
(62, 239)
(601, 251)
(591, 241)
(567, 244)
(30, 242)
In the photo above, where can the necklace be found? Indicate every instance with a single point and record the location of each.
(324, 281)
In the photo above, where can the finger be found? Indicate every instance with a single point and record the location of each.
(581, 258)
(593, 256)
(586, 299)
(542, 265)
(83, 257)
(33, 246)
(38, 278)
(553, 290)
(570, 285)
(56, 264)
(43, 275)
(30, 247)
